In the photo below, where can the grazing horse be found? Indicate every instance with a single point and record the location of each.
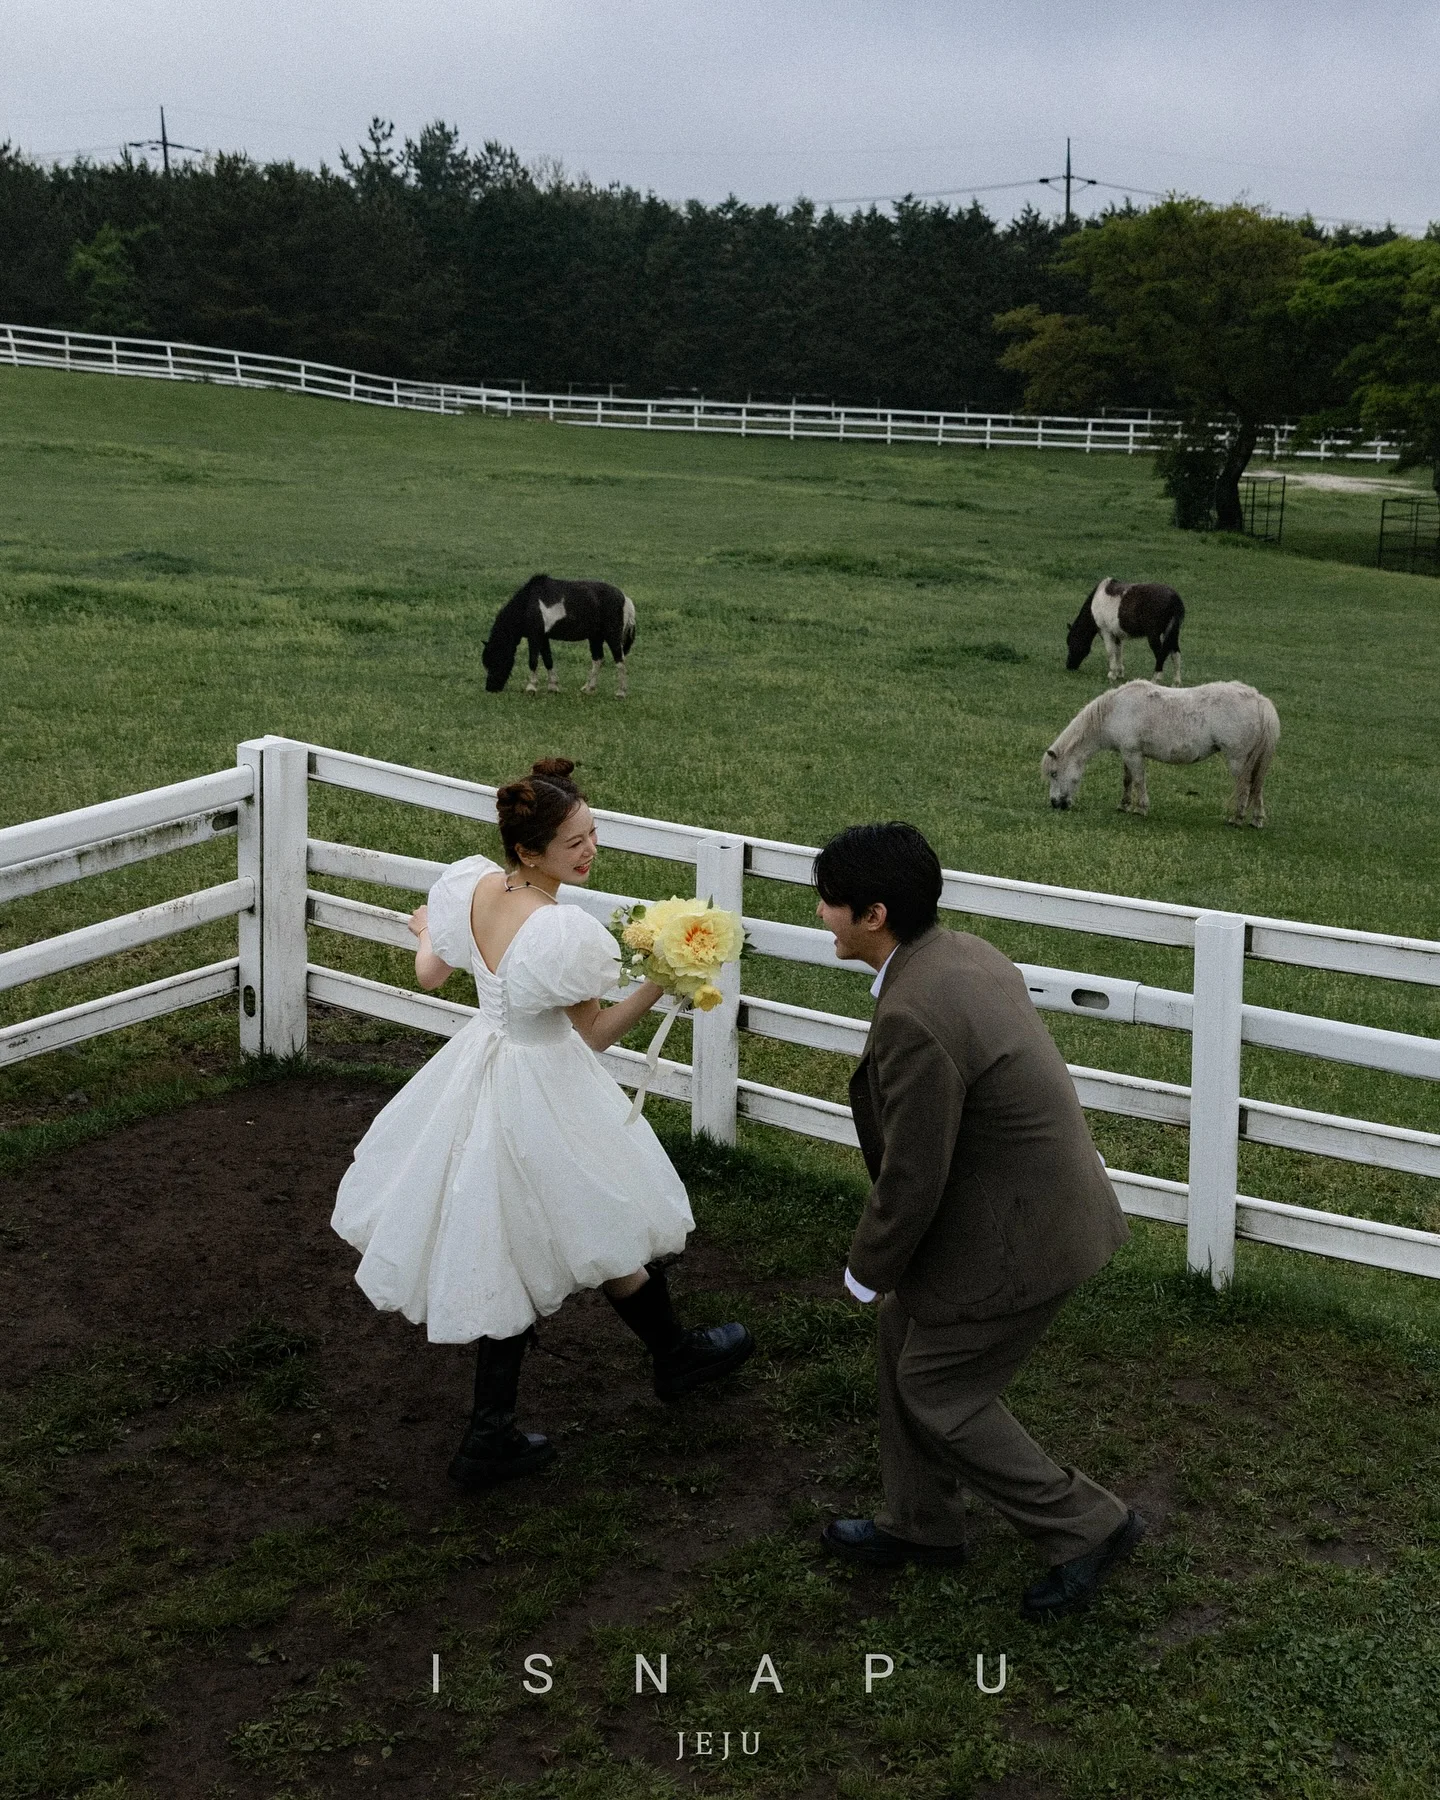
(1121, 609)
(546, 608)
(1144, 719)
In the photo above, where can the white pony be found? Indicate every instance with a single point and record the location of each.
(1174, 725)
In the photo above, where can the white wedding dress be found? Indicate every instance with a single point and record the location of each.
(503, 1176)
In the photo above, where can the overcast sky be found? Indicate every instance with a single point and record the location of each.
(1330, 106)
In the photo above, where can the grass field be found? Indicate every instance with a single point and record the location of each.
(827, 633)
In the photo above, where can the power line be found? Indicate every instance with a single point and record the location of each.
(163, 144)
(1069, 179)
(995, 187)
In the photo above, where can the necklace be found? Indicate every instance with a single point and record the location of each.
(525, 884)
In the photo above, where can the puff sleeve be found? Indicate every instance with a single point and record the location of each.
(449, 909)
(564, 956)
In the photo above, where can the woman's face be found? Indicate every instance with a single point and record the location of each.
(569, 854)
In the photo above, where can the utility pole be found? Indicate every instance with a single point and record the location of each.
(165, 158)
(164, 144)
(1068, 179)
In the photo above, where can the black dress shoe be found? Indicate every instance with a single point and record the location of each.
(862, 1540)
(704, 1354)
(489, 1455)
(1070, 1586)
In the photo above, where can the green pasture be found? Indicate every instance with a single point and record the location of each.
(826, 633)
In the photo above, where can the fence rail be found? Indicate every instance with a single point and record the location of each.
(263, 803)
(28, 346)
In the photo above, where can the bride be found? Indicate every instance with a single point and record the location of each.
(503, 1176)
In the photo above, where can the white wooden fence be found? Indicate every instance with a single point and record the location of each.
(39, 347)
(264, 803)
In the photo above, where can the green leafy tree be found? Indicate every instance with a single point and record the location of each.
(102, 274)
(1375, 312)
(1185, 309)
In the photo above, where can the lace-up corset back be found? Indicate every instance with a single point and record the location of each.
(558, 957)
(549, 1026)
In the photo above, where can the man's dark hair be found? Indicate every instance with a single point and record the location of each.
(890, 863)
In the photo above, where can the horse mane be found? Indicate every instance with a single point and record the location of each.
(1085, 616)
(1085, 722)
(510, 620)
(1084, 620)
(523, 594)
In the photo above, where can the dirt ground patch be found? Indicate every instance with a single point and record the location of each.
(229, 1553)
(179, 1232)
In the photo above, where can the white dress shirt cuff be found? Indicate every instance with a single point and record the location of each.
(863, 1294)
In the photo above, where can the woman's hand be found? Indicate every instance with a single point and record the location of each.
(430, 971)
(602, 1026)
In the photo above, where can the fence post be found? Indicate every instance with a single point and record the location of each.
(719, 876)
(1215, 1094)
(273, 829)
(247, 862)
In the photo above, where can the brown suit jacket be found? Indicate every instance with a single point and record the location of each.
(988, 1194)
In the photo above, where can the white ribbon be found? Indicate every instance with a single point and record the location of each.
(652, 1055)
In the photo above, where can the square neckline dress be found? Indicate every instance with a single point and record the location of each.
(503, 1176)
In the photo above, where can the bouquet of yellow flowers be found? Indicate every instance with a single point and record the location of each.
(682, 944)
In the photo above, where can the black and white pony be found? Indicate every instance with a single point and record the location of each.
(1120, 609)
(546, 608)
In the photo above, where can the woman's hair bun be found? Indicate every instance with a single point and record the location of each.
(516, 798)
(531, 810)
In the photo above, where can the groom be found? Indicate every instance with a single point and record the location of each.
(989, 1204)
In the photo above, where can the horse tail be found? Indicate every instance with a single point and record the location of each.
(1262, 750)
(1171, 641)
(627, 624)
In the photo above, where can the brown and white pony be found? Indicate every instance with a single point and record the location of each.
(1120, 609)
(546, 608)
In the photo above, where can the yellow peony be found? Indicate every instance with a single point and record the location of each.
(658, 914)
(698, 940)
(681, 943)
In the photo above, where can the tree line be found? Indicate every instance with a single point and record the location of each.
(428, 260)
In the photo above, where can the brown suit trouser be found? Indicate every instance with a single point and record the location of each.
(943, 1428)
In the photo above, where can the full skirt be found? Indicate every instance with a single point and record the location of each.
(501, 1178)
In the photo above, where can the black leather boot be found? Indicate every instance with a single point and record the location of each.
(493, 1448)
(683, 1359)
